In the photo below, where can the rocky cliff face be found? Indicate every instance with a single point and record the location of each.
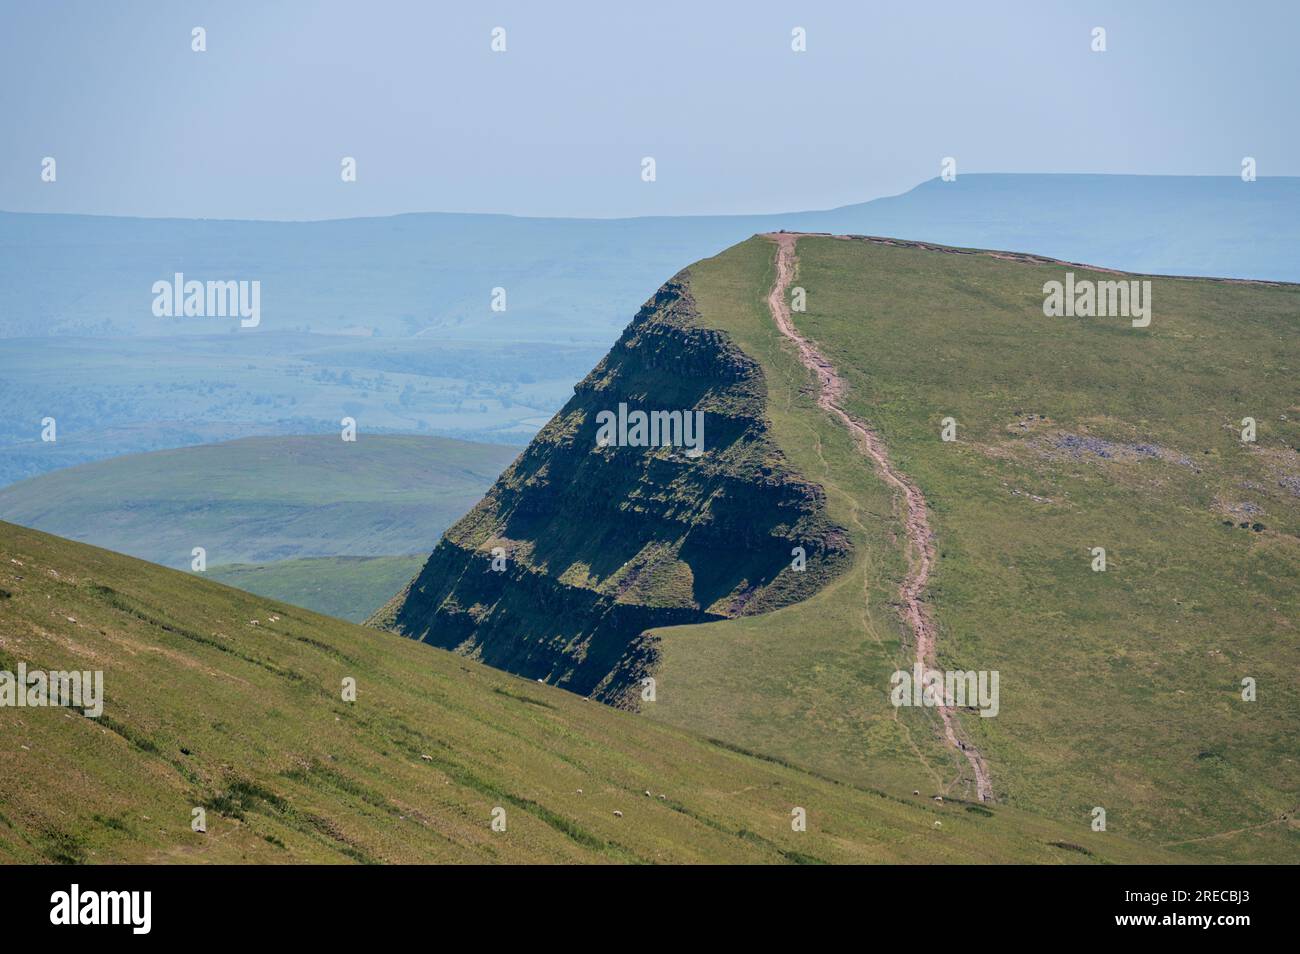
(594, 545)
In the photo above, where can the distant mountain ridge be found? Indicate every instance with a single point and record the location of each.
(390, 320)
(433, 273)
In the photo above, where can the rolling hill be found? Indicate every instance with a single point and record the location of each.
(310, 520)
(1121, 689)
(264, 498)
(218, 700)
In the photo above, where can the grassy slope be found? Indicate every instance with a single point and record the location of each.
(264, 498)
(1118, 689)
(348, 587)
(205, 708)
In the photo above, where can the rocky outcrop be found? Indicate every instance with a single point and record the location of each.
(579, 549)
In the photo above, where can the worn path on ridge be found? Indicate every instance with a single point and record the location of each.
(920, 544)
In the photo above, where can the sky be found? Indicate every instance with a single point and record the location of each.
(559, 123)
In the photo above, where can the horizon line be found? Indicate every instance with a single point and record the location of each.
(636, 218)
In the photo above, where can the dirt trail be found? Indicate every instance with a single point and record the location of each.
(920, 545)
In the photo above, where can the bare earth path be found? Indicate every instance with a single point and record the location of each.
(920, 544)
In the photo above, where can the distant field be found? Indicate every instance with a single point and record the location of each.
(112, 397)
(265, 499)
(218, 700)
(349, 587)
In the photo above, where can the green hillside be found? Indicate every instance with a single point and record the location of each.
(1120, 689)
(348, 587)
(261, 499)
(218, 699)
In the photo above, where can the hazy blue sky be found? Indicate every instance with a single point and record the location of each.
(557, 125)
